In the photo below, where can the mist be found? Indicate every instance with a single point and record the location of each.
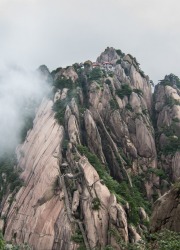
(21, 91)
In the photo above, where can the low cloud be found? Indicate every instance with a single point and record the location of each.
(20, 92)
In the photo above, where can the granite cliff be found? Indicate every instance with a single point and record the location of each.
(102, 149)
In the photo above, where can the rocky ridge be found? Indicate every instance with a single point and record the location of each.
(97, 156)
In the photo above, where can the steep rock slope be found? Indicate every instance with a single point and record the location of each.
(27, 221)
(167, 116)
(166, 211)
(90, 162)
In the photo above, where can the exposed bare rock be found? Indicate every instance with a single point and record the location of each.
(145, 141)
(75, 202)
(84, 180)
(94, 94)
(134, 236)
(109, 55)
(69, 73)
(67, 115)
(143, 84)
(176, 166)
(74, 108)
(118, 126)
(93, 136)
(57, 95)
(135, 103)
(120, 74)
(143, 214)
(64, 93)
(172, 92)
(35, 209)
(167, 100)
(73, 130)
(1, 225)
(166, 211)
(160, 98)
(97, 221)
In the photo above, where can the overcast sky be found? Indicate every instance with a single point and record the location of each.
(61, 32)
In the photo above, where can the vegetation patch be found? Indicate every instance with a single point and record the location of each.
(118, 61)
(96, 203)
(129, 107)
(9, 176)
(108, 82)
(63, 82)
(95, 74)
(120, 53)
(113, 104)
(171, 80)
(59, 108)
(173, 145)
(170, 101)
(163, 240)
(122, 191)
(138, 91)
(158, 172)
(124, 91)
(77, 237)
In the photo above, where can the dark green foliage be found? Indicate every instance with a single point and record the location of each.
(2, 242)
(111, 74)
(77, 237)
(76, 67)
(96, 203)
(95, 74)
(175, 119)
(138, 91)
(118, 61)
(108, 247)
(55, 71)
(170, 101)
(124, 91)
(11, 175)
(171, 80)
(65, 144)
(142, 73)
(113, 104)
(172, 146)
(116, 235)
(168, 130)
(122, 191)
(163, 240)
(157, 172)
(120, 53)
(82, 247)
(129, 107)
(125, 158)
(145, 111)
(63, 82)
(59, 108)
(27, 125)
(108, 82)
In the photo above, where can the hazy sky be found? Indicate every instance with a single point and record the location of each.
(61, 32)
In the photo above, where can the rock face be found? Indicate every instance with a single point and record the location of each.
(167, 112)
(89, 165)
(35, 209)
(166, 211)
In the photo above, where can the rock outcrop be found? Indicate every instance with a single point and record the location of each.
(166, 211)
(89, 164)
(167, 115)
